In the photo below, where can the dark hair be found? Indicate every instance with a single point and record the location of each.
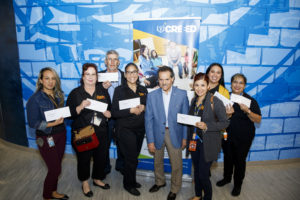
(239, 75)
(165, 69)
(151, 54)
(221, 81)
(57, 89)
(142, 49)
(134, 65)
(85, 67)
(201, 76)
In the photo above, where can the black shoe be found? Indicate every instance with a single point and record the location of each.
(133, 191)
(88, 194)
(104, 187)
(222, 182)
(171, 196)
(236, 191)
(137, 185)
(155, 187)
(65, 197)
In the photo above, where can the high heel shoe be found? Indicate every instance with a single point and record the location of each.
(88, 194)
(104, 187)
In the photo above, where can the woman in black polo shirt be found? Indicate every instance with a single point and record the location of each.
(241, 132)
(82, 117)
(130, 128)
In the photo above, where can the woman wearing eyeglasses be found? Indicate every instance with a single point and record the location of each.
(241, 132)
(130, 128)
(82, 117)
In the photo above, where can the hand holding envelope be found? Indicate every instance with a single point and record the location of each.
(188, 119)
(96, 105)
(129, 103)
(225, 101)
(108, 76)
(240, 100)
(58, 113)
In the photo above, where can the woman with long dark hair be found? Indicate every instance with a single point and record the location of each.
(50, 136)
(215, 73)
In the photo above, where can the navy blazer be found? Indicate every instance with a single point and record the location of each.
(155, 118)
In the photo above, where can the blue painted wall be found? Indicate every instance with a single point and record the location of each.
(259, 38)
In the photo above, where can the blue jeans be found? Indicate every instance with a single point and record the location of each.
(179, 65)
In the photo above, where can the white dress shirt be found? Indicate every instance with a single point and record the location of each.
(166, 100)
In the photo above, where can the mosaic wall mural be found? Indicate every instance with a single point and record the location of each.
(259, 38)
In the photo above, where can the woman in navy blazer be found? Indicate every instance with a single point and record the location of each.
(204, 138)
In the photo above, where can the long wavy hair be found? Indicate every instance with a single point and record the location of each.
(58, 93)
(221, 81)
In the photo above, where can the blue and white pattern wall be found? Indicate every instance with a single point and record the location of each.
(259, 38)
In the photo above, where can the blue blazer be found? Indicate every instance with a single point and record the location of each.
(155, 118)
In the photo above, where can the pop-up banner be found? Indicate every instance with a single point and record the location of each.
(170, 42)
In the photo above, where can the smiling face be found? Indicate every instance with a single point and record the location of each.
(201, 87)
(131, 74)
(215, 74)
(238, 85)
(90, 77)
(112, 62)
(165, 80)
(48, 80)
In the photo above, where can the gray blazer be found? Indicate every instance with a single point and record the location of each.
(216, 121)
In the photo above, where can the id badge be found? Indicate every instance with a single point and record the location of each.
(50, 141)
(192, 145)
(96, 121)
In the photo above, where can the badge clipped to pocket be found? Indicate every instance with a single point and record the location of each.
(192, 145)
(96, 121)
(50, 141)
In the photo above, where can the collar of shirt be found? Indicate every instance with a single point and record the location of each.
(166, 101)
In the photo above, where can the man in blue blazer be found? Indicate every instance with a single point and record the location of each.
(162, 129)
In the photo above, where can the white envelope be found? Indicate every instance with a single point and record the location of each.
(97, 105)
(223, 99)
(129, 103)
(240, 99)
(188, 119)
(55, 114)
(108, 76)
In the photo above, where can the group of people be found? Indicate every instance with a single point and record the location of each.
(156, 115)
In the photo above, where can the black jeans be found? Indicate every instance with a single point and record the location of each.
(201, 172)
(235, 154)
(130, 142)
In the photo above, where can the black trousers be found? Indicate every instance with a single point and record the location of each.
(235, 154)
(98, 154)
(201, 172)
(130, 142)
(111, 137)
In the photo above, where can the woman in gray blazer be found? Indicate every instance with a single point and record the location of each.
(204, 138)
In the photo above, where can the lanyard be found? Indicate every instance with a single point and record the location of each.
(196, 112)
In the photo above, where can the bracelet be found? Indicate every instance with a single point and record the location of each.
(248, 113)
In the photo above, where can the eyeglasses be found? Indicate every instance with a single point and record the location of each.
(132, 72)
(88, 74)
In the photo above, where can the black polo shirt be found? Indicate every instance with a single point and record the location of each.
(241, 128)
(125, 119)
(84, 118)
